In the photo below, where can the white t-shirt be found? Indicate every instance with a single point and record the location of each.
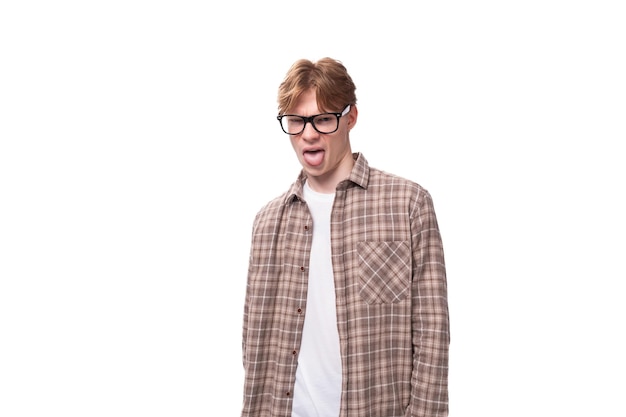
(317, 392)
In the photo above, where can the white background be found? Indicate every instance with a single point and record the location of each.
(138, 139)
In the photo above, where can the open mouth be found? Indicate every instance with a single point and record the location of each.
(313, 157)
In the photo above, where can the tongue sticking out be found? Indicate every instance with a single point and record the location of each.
(314, 158)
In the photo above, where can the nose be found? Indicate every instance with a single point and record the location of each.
(309, 133)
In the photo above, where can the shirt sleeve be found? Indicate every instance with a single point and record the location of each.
(430, 319)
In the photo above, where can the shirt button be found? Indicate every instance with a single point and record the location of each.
(299, 311)
(306, 227)
(302, 268)
(294, 352)
(287, 393)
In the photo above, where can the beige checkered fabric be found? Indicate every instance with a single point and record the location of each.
(391, 297)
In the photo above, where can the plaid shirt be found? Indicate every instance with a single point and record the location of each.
(391, 297)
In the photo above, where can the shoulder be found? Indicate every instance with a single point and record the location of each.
(272, 211)
(399, 193)
(272, 206)
(386, 183)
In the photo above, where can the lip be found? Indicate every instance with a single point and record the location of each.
(311, 149)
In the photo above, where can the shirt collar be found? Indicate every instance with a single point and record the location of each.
(359, 176)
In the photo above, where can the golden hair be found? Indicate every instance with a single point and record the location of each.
(329, 78)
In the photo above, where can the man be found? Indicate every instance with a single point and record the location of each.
(346, 309)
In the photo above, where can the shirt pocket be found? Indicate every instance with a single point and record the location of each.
(384, 271)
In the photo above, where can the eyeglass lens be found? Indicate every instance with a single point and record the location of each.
(323, 123)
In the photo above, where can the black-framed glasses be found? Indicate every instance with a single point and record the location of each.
(324, 123)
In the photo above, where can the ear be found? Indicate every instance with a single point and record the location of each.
(352, 116)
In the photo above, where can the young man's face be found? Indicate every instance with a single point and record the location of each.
(326, 158)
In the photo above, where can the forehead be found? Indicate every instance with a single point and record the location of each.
(306, 104)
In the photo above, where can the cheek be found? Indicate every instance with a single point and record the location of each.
(340, 143)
